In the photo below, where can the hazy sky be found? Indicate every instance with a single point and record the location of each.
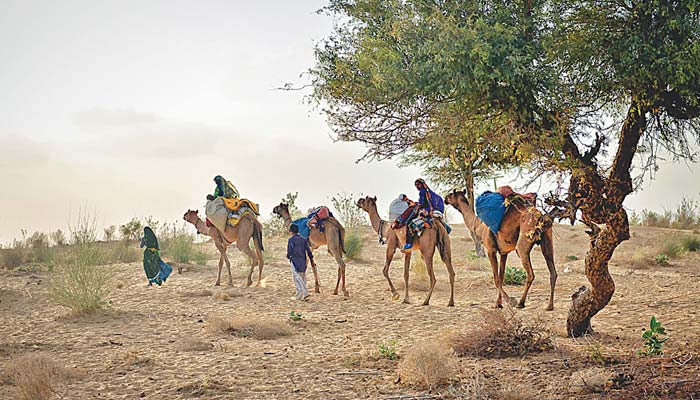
(130, 108)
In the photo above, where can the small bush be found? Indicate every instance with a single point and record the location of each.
(132, 230)
(79, 285)
(661, 259)
(654, 338)
(248, 327)
(295, 316)
(58, 238)
(347, 211)
(514, 276)
(428, 364)
(673, 248)
(571, 258)
(691, 243)
(353, 245)
(35, 376)
(179, 246)
(14, 256)
(388, 350)
(110, 233)
(501, 334)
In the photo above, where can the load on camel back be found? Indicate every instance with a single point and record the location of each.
(315, 218)
(226, 207)
(491, 207)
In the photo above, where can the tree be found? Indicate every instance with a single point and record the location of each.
(561, 83)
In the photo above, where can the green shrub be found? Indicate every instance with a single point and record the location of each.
(79, 285)
(345, 207)
(353, 245)
(388, 350)
(179, 246)
(571, 258)
(653, 338)
(514, 276)
(661, 259)
(132, 230)
(673, 248)
(691, 243)
(295, 316)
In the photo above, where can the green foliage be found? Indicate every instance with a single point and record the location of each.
(471, 255)
(132, 230)
(178, 245)
(571, 258)
(295, 316)
(388, 350)
(673, 248)
(514, 276)
(345, 208)
(58, 238)
(79, 285)
(654, 338)
(274, 225)
(353, 245)
(110, 233)
(661, 259)
(691, 243)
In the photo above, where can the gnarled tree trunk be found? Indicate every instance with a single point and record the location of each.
(600, 201)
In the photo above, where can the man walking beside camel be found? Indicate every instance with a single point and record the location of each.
(297, 250)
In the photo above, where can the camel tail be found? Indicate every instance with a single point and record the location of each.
(442, 241)
(341, 234)
(258, 234)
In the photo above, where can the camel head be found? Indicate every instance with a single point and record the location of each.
(191, 216)
(455, 196)
(367, 202)
(280, 209)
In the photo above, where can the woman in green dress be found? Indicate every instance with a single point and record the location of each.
(157, 271)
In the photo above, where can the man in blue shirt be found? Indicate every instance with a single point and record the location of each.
(297, 250)
(431, 205)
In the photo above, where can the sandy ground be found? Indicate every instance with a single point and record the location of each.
(137, 349)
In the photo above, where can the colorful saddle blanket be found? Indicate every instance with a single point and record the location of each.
(236, 204)
(234, 217)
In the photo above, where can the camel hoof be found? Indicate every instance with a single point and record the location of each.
(406, 301)
(451, 304)
(549, 308)
(426, 303)
(317, 290)
(346, 294)
(217, 284)
(395, 296)
(520, 305)
(497, 306)
(249, 283)
(335, 293)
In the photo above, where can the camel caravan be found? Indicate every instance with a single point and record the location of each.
(502, 222)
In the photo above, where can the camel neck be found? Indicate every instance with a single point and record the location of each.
(470, 219)
(374, 219)
(287, 219)
(201, 226)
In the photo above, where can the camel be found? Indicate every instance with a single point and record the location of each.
(434, 237)
(333, 238)
(248, 228)
(521, 229)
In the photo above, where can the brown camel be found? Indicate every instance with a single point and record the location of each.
(333, 238)
(522, 227)
(434, 237)
(248, 228)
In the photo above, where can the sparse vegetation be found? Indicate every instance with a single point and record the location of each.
(255, 328)
(691, 243)
(685, 216)
(110, 233)
(349, 214)
(661, 259)
(571, 258)
(654, 338)
(514, 276)
(178, 245)
(502, 334)
(35, 376)
(388, 350)
(78, 284)
(295, 316)
(353, 244)
(131, 231)
(274, 225)
(428, 364)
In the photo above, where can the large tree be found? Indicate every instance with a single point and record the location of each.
(560, 83)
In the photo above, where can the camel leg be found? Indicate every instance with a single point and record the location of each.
(496, 280)
(406, 273)
(341, 274)
(228, 268)
(244, 247)
(502, 277)
(261, 263)
(221, 265)
(547, 247)
(428, 259)
(524, 248)
(451, 273)
(390, 251)
(317, 285)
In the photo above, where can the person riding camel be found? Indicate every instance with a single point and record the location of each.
(224, 189)
(429, 204)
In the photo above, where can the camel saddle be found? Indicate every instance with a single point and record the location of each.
(235, 204)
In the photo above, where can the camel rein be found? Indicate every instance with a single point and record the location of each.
(379, 231)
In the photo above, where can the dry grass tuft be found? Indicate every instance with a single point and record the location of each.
(520, 391)
(248, 327)
(35, 376)
(590, 380)
(204, 386)
(502, 334)
(225, 295)
(193, 344)
(429, 364)
(197, 293)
